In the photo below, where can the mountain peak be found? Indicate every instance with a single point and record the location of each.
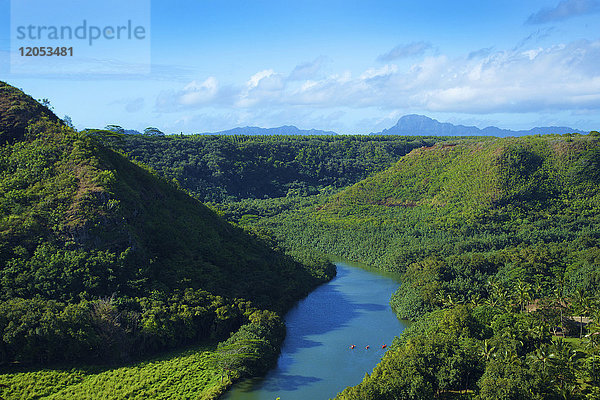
(421, 125)
(415, 118)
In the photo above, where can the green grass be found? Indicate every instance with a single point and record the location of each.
(183, 375)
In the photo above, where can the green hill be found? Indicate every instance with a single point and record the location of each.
(472, 194)
(528, 173)
(102, 260)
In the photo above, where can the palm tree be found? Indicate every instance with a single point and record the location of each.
(491, 301)
(594, 331)
(582, 305)
(487, 351)
(541, 355)
(562, 360)
(504, 299)
(538, 332)
(523, 294)
(450, 301)
(510, 357)
(559, 300)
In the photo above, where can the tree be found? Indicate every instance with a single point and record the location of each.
(582, 305)
(487, 351)
(68, 122)
(541, 356)
(46, 103)
(505, 379)
(115, 128)
(559, 299)
(523, 294)
(562, 360)
(151, 131)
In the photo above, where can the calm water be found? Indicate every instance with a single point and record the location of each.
(316, 361)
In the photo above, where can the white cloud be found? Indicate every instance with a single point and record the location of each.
(263, 87)
(386, 70)
(536, 79)
(257, 77)
(194, 94)
(199, 93)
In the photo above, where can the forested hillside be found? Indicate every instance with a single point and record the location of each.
(498, 241)
(231, 168)
(102, 261)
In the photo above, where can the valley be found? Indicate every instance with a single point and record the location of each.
(163, 266)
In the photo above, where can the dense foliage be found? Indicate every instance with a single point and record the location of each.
(101, 260)
(506, 225)
(487, 229)
(483, 352)
(197, 373)
(230, 168)
(497, 240)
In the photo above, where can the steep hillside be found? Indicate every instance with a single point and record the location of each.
(466, 178)
(102, 260)
(455, 197)
(499, 245)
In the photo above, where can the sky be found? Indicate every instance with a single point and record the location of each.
(348, 66)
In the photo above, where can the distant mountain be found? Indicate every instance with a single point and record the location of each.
(282, 130)
(421, 125)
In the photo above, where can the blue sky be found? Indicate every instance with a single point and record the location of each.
(348, 66)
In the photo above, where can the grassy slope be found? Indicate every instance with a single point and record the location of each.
(469, 176)
(184, 375)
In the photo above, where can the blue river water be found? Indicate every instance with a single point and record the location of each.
(316, 360)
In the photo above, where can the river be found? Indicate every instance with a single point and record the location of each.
(316, 360)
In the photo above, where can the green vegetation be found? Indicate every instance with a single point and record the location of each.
(201, 372)
(459, 353)
(17, 110)
(104, 262)
(181, 375)
(231, 168)
(494, 228)
(498, 241)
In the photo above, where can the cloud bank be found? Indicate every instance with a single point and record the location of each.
(534, 79)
